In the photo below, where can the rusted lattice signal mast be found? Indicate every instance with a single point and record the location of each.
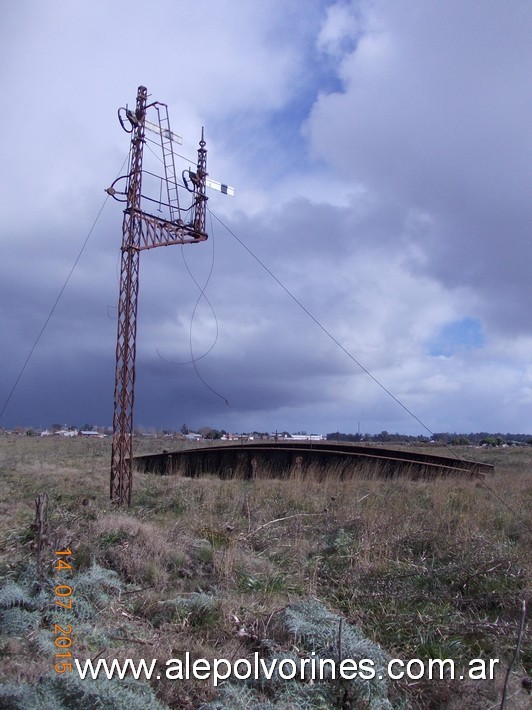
(143, 230)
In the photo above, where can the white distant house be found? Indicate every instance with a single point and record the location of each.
(192, 436)
(307, 437)
(67, 432)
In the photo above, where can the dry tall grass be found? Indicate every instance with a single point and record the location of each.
(425, 568)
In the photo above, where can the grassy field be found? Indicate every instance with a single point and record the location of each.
(223, 569)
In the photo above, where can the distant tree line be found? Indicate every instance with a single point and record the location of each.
(482, 438)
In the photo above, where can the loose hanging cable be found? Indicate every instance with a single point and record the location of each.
(192, 320)
(204, 296)
(194, 358)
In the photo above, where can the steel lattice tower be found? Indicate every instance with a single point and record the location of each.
(140, 231)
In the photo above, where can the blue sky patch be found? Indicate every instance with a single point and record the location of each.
(464, 334)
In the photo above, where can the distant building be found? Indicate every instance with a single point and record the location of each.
(307, 437)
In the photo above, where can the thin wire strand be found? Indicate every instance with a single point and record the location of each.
(501, 500)
(322, 327)
(202, 294)
(178, 155)
(358, 363)
(192, 321)
(54, 306)
(205, 297)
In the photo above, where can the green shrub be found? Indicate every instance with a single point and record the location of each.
(18, 622)
(318, 634)
(61, 692)
(199, 609)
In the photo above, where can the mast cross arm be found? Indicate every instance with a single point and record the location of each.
(157, 232)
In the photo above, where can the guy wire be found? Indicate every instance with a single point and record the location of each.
(54, 305)
(357, 362)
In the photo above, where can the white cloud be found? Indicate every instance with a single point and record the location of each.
(435, 114)
(340, 28)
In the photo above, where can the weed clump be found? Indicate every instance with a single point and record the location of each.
(315, 644)
(198, 610)
(58, 692)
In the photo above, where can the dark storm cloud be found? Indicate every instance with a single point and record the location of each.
(381, 156)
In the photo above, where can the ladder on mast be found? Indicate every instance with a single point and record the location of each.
(167, 137)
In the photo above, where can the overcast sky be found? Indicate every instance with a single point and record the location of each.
(382, 158)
